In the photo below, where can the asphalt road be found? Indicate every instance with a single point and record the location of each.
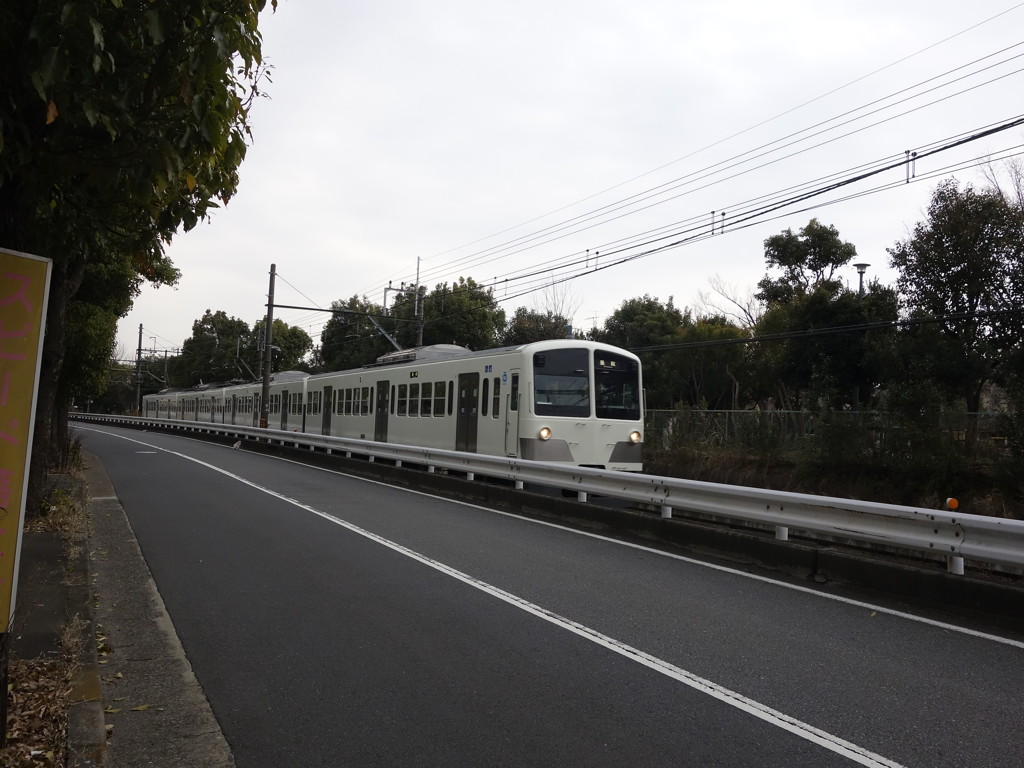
(333, 621)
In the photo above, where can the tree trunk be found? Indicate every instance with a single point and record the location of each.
(49, 442)
(973, 402)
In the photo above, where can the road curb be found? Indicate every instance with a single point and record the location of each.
(87, 736)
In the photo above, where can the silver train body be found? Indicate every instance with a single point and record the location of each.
(565, 401)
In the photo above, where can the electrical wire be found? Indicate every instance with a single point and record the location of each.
(746, 157)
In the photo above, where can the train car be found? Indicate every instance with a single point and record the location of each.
(570, 401)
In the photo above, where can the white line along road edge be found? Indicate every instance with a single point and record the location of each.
(778, 719)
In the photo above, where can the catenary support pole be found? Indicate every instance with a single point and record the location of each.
(268, 337)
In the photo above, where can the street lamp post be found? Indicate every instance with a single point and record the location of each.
(861, 268)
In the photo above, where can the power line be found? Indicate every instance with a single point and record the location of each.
(600, 215)
(744, 131)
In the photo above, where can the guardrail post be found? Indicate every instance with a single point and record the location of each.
(470, 475)
(666, 511)
(581, 496)
(955, 565)
(782, 532)
(519, 485)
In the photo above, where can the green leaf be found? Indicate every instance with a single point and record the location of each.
(97, 33)
(155, 25)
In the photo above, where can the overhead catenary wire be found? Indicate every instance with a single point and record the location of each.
(762, 123)
(756, 212)
(511, 246)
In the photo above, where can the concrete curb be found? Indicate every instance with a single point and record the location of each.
(87, 736)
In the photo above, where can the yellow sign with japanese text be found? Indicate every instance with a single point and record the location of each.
(24, 291)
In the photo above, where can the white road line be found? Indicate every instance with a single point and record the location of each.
(771, 716)
(683, 558)
(661, 553)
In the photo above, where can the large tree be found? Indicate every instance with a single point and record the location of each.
(811, 365)
(528, 325)
(462, 313)
(809, 261)
(710, 370)
(350, 339)
(292, 345)
(212, 352)
(642, 322)
(965, 264)
(122, 123)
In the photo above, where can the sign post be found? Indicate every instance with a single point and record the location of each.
(24, 292)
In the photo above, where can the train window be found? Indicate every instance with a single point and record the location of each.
(497, 398)
(393, 400)
(513, 397)
(370, 392)
(561, 383)
(425, 399)
(357, 400)
(617, 380)
(486, 397)
(439, 398)
(414, 399)
(451, 396)
(364, 401)
(403, 399)
(348, 402)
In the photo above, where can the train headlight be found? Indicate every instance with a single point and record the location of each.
(634, 436)
(544, 433)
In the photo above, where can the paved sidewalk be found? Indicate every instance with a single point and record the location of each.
(158, 711)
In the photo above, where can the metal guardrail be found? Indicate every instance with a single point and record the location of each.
(957, 536)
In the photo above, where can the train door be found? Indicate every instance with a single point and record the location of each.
(284, 409)
(325, 410)
(380, 417)
(234, 407)
(468, 412)
(512, 415)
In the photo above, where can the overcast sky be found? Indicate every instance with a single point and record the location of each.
(502, 141)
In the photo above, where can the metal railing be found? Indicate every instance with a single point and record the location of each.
(957, 536)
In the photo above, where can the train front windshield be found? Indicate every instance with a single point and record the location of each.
(562, 384)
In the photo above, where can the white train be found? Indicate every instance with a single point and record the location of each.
(564, 400)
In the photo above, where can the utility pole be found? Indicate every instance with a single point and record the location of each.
(419, 307)
(138, 375)
(268, 337)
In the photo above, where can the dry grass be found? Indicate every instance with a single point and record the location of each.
(39, 690)
(38, 700)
